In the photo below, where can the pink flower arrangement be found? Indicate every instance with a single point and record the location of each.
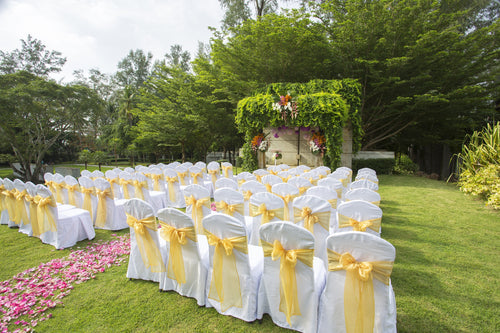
(26, 297)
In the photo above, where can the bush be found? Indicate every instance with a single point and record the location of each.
(405, 166)
(380, 165)
(485, 184)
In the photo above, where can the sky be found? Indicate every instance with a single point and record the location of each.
(99, 33)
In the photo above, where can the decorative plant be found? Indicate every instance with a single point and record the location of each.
(259, 143)
(317, 143)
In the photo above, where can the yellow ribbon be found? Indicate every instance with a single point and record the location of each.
(33, 201)
(177, 238)
(182, 176)
(113, 181)
(285, 179)
(213, 174)
(259, 178)
(228, 209)
(289, 301)
(71, 193)
(241, 181)
(313, 181)
(171, 191)
(20, 208)
(310, 218)
(58, 187)
(247, 195)
(333, 202)
(225, 170)
(50, 185)
(225, 285)
(373, 181)
(87, 199)
(287, 199)
(266, 215)
(196, 176)
(339, 192)
(197, 210)
(138, 188)
(150, 254)
(124, 184)
(303, 189)
(268, 187)
(2, 198)
(373, 224)
(273, 172)
(359, 300)
(10, 202)
(100, 221)
(156, 180)
(46, 220)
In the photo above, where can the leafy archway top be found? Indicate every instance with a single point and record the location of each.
(327, 104)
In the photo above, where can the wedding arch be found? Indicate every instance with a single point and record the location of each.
(320, 112)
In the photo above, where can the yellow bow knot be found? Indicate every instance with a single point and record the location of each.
(303, 189)
(213, 174)
(20, 208)
(197, 210)
(71, 193)
(182, 177)
(124, 184)
(138, 188)
(247, 195)
(46, 219)
(374, 224)
(87, 199)
(310, 218)
(58, 187)
(287, 199)
(226, 169)
(35, 226)
(266, 214)
(269, 187)
(196, 176)
(228, 209)
(150, 254)
(102, 207)
(156, 180)
(171, 190)
(241, 181)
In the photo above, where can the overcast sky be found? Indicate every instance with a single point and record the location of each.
(99, 33)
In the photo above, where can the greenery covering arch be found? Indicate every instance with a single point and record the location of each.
(326, 104)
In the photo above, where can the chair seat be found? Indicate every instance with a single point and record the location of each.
(73, 225)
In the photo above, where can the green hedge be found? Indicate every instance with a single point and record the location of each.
(380, 165)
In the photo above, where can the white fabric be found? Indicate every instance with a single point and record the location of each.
(151, 182)
(174, 164)
(254, 187)
(303, 168)
(249, 265)
(59, 179)
(182, 169)
(4, 216)
(341, 175)
(284, 175)
(364, 183)
(140, 209)
(194, 254)
(326, 194)
(213, 166)
(117, 190)
(202, 166)
(24, 226)
(178, 201)
(87, 183)
(202, 179)
(271, 179)
(347, 171)
(84, 173)
(333, 184)
(71, 181)
(198, 192)
(73, 225)
(229, 171)
(360, 211)
(129, 170)
(243, 177)
(324, 170)
(299, 182)
(157, 199)
(187, 164)
(283, 189)
(317, 205)
(367, 176)
(363, 247)
(9, 186)
(310, 281)
(97, 174)
(231, 197)
(260, 173)
(311, 176)
(367, 170)
(272, 201)
(226, 182)
(363, 194)
(115, 213)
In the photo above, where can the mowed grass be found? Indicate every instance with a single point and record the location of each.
(445, 276)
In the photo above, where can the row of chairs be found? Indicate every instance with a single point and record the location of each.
(283, 276)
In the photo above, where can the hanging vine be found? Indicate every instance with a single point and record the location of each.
(327, 104)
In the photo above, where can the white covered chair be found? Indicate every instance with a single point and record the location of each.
(87, 189)
(227, 170)
(196, 176)
(183, 175)
(330, 196)
(235, 268)
(48, 178)
(187, 164)
(202, 166)
(157, 199)
(129, 170)
(83, 173)
(293, 277)
(213, 170)
(73, 194)
(323, 170)
(10, 203)
(174, 192)
(364, 183)
(259, 173)
(110, 214)
(174, 164)
(248, 189)
(311, 176)
(97, 174)
(156, 179)
(269, 180)
(127, 184)
(243, 177)
(59, 185)
(61, 228)
(366, 170)
(333, 184)
(358, 296)
(284, 175)
(347, 171)
(303, 168)
(230, 202)
(363, 194)
(226, 182)
(300, 183)
(367, 176)
(197, 200)
(359, 215)
(265, 207)
(342, 176)
(313, 213)
(114, 180)
(4, 215)
(287, 192)
(185, 255)
(21, 209)
(145, 260)
(31, 206)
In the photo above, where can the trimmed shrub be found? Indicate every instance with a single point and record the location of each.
(484, 183)
(405, 166)
(380, 165)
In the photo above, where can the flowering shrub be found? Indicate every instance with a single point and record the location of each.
(259, 143)
(317, 143)
(26, 297)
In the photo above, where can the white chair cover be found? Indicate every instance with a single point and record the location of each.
(330, 196)
(197, 204)
(74, 195)
(202, 166)
(114, 180)
(226, 182)
(187, 164)
(87, 189)
(363, 194)
(367, 170)
(303, 168)
(194, 254)
(174, 193)
(311, 176)
(271, 202)
(129, 170)
(362, 247)
(310, 280)
(259, 173)
(115, 218)
(323, 170)
(157, 199)
(183, 175)
(364, 183)
(10, 202)
(156, 180)
(174, 164)
(97, 174)
(61, 193)
(333, 184)
(231, 202)
(213, 170)
(31, 208)
(72, 225)
(269, 180)
(248, 189)
(287, 192)
(301, 183)
(141, 265)
(319, 213)
(347, 171)
(341, 175)
(243, 177)
(248, 267)
(284, 175)
(367, 176)
(22, 207)
(357, 211)
(127, 184)
(4, 216)
(227, 170)
(83, 173)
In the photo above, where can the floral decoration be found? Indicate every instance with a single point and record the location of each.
(317, 143)
(259, 143)
(287, 107)
(277, 155)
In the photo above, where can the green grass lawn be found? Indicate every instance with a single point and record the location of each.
(446, 275)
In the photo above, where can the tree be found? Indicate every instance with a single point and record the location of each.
(100, 158)
(178, 57)
(134, 69)
(85, 156)
(33, 57)
(34, 114)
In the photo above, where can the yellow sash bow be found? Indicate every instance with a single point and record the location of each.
(266, 215)
(10, 202)
(124, 184)
(289, 301)
(150, 254)
(268, 187)
(333, 203)
(20, 215)
(197, 210)
(359, 301)
(138, 188)
(225, 285)
(2, 198)
(344, 182)
(33, 201)
(303, 189)
(177, 238)
(310, 218)
(156, 180)
(50, 185)
(287, 199)
(373, 224)
(259, 178)
(228, 209)
(102, 206)
(87, 199)
(113, 181)
(71, 193)
(213, 174)
(241, 182)
(313, 181)
(285, 179)
(182, 176)
(196, 177)
(59, 187)
(225, 170)
(373, 181)
(339, 192)
(247, 195)
(170, 185)
(46, 220)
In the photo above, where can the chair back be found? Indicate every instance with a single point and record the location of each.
(302, 184)
(359, 215)
(197, 200)
(231, 202)
(264, 207)
(364, 183)
(269, 180)
(226, 183)
(363, 194)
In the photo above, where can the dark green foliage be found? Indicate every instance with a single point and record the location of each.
(383, 166)
(404, 166)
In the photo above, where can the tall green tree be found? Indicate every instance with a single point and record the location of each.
(134, 69)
